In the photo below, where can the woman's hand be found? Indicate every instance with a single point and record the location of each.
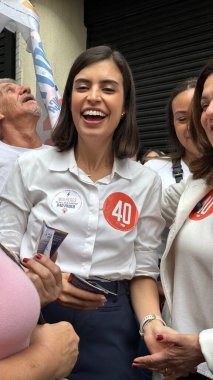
(179, 355)
(46, 276)
(57, 344)
(151, 330)
(79, 299)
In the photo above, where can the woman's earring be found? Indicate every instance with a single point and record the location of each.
(122, 115)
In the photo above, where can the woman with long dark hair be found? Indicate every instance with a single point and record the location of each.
(88, 186)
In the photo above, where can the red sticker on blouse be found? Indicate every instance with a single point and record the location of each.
(120, 211)
(205, 209)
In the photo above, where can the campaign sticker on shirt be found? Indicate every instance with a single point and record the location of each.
(204, 208)
(120, 211)
(67, 201)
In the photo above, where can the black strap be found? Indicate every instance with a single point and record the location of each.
(177, 170)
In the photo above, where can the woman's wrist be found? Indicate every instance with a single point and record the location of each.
(147, 320)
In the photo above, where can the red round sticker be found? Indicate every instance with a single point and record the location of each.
(206, 208)
(120, 211)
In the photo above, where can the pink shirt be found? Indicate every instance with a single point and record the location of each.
(19, 307)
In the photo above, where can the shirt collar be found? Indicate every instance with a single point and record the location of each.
(64, 161)
(122, 168)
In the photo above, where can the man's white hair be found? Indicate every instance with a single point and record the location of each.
(7, 80)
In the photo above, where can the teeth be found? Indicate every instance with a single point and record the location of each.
(93, 113)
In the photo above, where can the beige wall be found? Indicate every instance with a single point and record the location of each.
(63, 36)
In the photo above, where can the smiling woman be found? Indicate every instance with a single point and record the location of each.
(175, 166)
(207, 107)
(105, 87)
(202, 125)
(113, 219)
(97, 104)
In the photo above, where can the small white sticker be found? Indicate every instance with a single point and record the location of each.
(67, 201)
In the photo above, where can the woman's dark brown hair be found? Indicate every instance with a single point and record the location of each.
(125, 139)
(203, 166)
(178, 150)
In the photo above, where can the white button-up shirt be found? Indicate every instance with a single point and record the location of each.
(114, 225)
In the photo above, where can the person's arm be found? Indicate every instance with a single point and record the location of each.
(143, 287)
(145, 301)
(15, 208)
(52, 353)
(170, 199)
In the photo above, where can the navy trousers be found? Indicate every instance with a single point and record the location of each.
(109, 338)
(142, 373)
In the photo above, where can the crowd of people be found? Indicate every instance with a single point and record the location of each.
(122, 215)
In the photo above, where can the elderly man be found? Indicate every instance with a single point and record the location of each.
(19, 114)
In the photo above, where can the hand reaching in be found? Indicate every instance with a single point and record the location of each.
(180, 355)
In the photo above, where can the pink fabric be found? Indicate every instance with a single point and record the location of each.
(19, 307)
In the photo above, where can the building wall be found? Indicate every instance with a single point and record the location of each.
(63, 36)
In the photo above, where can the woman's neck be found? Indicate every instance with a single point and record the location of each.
(188, 158)
(96, 163)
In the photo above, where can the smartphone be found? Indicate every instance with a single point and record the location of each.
(89, 285)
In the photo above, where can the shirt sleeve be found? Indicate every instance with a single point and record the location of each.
(150, 227)
(170, 199)
(14, 210)
(206, 344)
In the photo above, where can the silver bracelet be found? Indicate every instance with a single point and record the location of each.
(147, 319)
